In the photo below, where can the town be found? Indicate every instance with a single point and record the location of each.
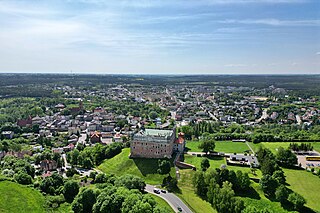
(113, 129)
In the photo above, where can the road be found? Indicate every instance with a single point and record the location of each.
(171, 199)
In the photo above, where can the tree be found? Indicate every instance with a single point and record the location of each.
(72, 171)
(282, 193)
(164, 166)
(153, 115)
(70, 190)
(23, 178)
(296, 200)
(84, 201)
(207, 145)
(87, 163)
(243, 180)
(278, 175)
(268, 185)
(223, 199)
(205, 164)
(74, 156)
(131, 182)
(200, 184)
(101, 178)
(286, 158)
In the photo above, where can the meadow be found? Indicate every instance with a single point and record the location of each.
(221, 146)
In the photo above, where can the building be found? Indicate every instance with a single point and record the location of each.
(243, 160)
(48, 165)
(7, 134)
(25, 122)
(95, 137)
(153, 143)
(179, 143)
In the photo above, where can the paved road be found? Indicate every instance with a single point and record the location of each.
(171, 199)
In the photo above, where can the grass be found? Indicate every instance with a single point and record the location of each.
(216, 162)
(63, 208)
(306, 184)
(256, 198)
(221, 146)
(145, 168)
(19, 198)
(273, 146)
(186, 193)
(162, 203)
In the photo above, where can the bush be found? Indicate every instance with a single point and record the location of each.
(23, 178)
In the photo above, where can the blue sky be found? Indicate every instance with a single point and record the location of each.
(160, 36)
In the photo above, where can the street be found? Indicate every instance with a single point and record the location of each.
(171, 199)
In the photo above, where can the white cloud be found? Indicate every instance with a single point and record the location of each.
(274, 22)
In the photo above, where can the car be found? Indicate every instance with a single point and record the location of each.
(157, 191)
(163, 191)
(179, 209)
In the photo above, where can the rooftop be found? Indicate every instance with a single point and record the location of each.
(157, 132)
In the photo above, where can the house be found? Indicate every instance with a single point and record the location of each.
(25, 122)
(152, 143)
(243, 160)
(73, 130)
(179, 143)
(117, 137)
(95, 137)
(48, 165)
(69, 147)
(7, 134)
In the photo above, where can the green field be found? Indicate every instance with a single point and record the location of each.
(273, 146)
(306, 184)
(254, 197)
(221, 146)
(17, 198)
(216, 162)
(144, 168)
(161, 202)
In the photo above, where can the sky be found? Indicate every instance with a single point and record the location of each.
(160, 36)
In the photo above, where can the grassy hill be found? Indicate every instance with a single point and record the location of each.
(144, 168)
(18, 198)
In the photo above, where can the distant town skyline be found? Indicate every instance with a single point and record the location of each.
(160, 36)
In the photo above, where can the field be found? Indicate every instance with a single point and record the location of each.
(144, 168)
(162, 203)
(18, 198)
(306, 184)
(221, 146)
(254, 197)
(273, 146)
(216, 162)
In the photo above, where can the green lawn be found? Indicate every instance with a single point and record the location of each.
(306, 184)
(216, 162)
(18, 198)
(144, 168)
(273, 146)
(256, 198)
(161, 202)
(221, 146)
